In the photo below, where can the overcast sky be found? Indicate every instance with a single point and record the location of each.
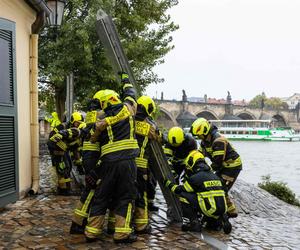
(244, 46)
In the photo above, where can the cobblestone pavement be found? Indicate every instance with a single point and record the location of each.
(43, 221)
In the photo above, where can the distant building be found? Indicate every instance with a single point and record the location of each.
(292, 101)
(196, 99)
(216, 101)
(240, 102)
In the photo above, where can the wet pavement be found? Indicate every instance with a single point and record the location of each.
(43, 222)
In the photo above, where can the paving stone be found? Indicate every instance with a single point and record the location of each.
(28, 244)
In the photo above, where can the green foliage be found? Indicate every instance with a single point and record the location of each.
(157, 112)
(258, 101)
(46, 97)
(261, 101)
(144, 29)
(279, 189)
(275, 103)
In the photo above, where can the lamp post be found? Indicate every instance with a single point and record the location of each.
(57, 12)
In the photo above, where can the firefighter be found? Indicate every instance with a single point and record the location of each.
(177, 148)
(202, 191)
(146, 130)
(53, 120)
(118, 150)
(226, 162)
(62, 139)
(90, 160)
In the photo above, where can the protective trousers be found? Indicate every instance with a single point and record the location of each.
(228, 177)
(189, 204)
(141, 219)
(117, 187)
(63, 170)
(89, 161)
(151, 186)
(212, 207)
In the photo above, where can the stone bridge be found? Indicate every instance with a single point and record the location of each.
(182, 113)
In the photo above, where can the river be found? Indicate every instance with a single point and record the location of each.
(281, 160)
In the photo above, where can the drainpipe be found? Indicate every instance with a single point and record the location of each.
(43, 11)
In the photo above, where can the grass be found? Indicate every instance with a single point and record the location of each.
(279, 189)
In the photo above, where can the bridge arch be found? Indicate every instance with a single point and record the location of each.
(246, 115)
(208, 115)
(279, 120)
(165, 118)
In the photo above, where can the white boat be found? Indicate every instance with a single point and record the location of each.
(255, 130)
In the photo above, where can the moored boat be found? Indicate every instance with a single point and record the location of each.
(255, 130)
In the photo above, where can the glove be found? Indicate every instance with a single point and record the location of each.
(91, 180)
(56, 137)
(176, 176)
(78, 164)
(167, 183)
(124, 77)
(82, 125)
(214, 166)
(61, 168)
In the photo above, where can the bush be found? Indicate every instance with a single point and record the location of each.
(279, 189)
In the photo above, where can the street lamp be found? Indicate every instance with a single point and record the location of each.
(57, 12)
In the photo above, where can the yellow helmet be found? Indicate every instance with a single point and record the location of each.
(107, 97)
(76, 117)
(175, 136)
(192, 158)
(98, 95)
(148, 104)
(200, 127)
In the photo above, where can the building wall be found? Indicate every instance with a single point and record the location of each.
(20, 13)
(293, 101)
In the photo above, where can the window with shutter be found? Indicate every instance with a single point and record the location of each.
(8, 115)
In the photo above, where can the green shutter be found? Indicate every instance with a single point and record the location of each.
(8, 115)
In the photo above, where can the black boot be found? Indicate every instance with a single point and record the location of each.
(130, 239)
(226, 224)
(214, 224)
(146, 230)
(63, 191)
(232, 214)
(152, 207)
(76, 229)
(90, 240)
(110, 231)
(193, 226)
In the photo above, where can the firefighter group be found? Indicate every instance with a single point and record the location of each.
(111, 149)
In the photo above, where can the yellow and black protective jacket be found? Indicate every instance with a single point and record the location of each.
(145, 129)
(220, 152)
(117, 139)
(181, 152)
(208, 189)
(68, 138)
(92, 116)
(176, 155)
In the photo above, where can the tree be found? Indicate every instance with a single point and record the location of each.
(261, 101)
(276, 103)
(144, 29)
(258, 101)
